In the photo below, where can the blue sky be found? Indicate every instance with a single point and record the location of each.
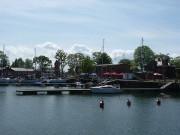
(81, 25)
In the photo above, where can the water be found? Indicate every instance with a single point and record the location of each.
(81, 114)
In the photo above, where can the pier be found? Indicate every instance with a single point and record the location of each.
(46, 84)
(51, 91)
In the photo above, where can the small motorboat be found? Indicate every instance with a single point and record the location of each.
(79, 84)
(57, 81)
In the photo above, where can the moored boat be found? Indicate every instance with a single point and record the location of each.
(57, 81)
(106, 89)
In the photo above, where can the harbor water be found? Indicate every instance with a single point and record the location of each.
(80, 114)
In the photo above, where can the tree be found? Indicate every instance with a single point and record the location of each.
(176, 62)
(19, 63)
(87, 65)
(142, 56)
(61, 56)
(163, 56)
(74, 61)
(101, 58)
(4, 59)
(28, 63)
(125, 61)
(43, 62)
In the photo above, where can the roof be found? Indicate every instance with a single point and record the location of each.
(23, 69)
(111, 64)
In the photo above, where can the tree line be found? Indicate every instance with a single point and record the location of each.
(79, 63)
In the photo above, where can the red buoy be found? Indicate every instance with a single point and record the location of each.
(102, 104)
(158, 101)
(128, 102)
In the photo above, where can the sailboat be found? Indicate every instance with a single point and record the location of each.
(105, 89)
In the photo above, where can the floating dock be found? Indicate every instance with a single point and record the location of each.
(51, 91)
(46, 84)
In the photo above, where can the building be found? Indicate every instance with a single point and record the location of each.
(110, 68)
(17, 72)
(161, 66)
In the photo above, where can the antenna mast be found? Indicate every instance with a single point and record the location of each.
(3, 60)
(102, 51)
(35, 60)
(102, 57)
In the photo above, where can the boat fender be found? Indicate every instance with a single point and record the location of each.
(101, 104)
(158, 101)
(128, 102)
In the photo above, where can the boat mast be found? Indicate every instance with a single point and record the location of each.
(35, 60)
(2, 60)
(103, 51)
(141, 54)
(102, 57)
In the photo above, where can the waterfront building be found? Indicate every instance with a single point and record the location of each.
(161, 66)
(117, 68)
(17, 72)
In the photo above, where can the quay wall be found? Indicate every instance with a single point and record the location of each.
(145, 84)
(137, 84)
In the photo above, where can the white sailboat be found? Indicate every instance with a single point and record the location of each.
(105, 89)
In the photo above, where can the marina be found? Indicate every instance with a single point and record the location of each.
(89, 67)
(106, 89)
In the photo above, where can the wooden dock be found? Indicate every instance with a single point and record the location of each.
(47, 84)
(51, 91)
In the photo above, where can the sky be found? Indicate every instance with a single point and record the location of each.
(81, 25)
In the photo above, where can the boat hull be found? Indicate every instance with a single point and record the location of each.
(105, 90)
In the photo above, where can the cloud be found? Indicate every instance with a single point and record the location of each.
(48, 46)
(18, 52)
(47, 49)
(119, 54)
(77, 48)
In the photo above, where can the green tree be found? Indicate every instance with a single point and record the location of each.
(61, 56)
(87, 65)
(125, 61)
(19, 63)
(101, 58)
(74, 61)
(43, 62)
(4, 59)
(176, 62)
(28, 63)
(142, 56)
